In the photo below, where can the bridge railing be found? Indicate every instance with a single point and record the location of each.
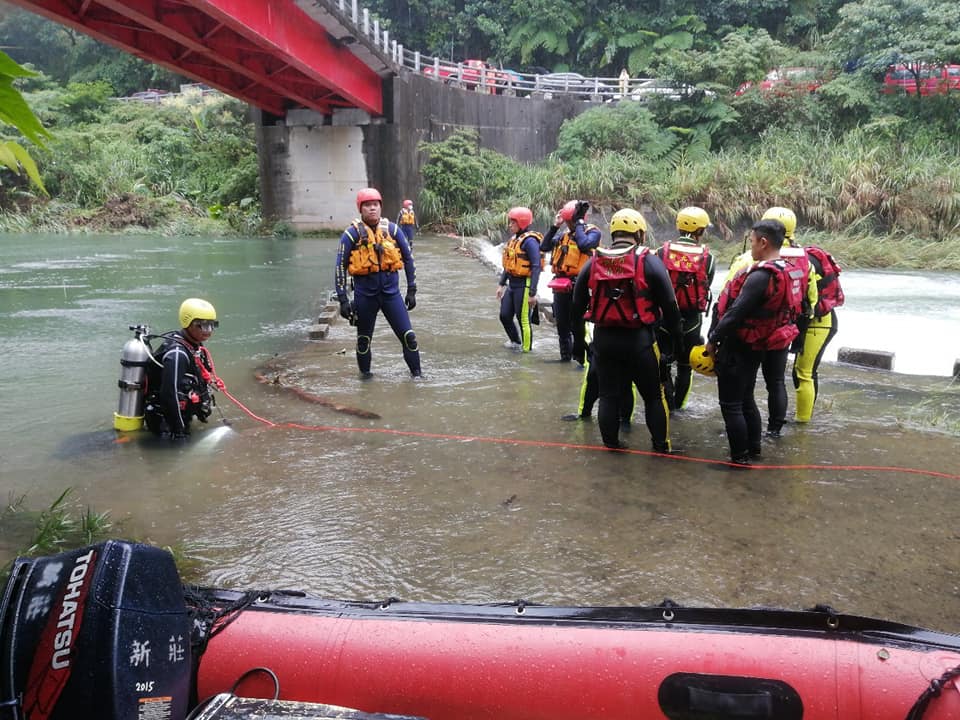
(481, 77)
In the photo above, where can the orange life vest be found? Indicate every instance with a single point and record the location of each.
(515, 260)
(407, 217)
(567, 258)
(374, 251)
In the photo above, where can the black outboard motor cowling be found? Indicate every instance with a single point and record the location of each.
(101, 632)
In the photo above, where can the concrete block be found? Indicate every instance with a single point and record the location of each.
(319, 331)
(328, 315)
(867, 358)
(956, 368)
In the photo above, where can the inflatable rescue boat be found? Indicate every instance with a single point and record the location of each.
(109, 632)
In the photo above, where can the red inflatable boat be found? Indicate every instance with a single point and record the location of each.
(513, 662)
(108, 632)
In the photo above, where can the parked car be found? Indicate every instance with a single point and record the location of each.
(935, 80)
(471, 73)
(573, 83)
(654, 88)
(786, 80)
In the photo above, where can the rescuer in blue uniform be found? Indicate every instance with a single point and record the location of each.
(569, 251)
(517, 291)
(373, 251)
(407, 221)
(625, 291)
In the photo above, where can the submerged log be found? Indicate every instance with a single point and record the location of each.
(276, 381)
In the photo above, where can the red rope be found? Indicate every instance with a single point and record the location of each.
(577, 446)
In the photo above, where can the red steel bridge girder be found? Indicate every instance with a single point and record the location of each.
(266, 52)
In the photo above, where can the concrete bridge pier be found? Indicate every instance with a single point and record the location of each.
(311, 165)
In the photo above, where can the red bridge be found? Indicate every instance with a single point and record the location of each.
(274, 54)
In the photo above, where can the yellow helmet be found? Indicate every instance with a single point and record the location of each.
(701, 363)
(691, 219)
(196, 309)
(784, 215)
(628, 221)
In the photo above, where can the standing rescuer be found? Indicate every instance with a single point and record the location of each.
(517, 290)
(181, 375)
(755, 320)
(373, 251)
(407, 221)
(625, 291)
(568, 254)
(691, 269)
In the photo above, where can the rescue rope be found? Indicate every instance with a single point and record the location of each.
(581, 446)
(933, 690)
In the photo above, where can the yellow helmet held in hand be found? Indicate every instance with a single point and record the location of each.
(196, 309)
(628, 220)
(691, 219)
(784, 215)
(701, 362)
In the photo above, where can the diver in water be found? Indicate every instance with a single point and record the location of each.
(180, 376)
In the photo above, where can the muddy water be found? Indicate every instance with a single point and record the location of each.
(468, 487)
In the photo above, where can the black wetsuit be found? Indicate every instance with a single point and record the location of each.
(737, 364)
(177, 391)
(631, 355)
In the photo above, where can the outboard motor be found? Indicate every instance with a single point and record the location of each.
(101, 632)
(134, 360)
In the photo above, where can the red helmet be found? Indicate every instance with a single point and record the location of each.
(368, 194)
(522, 215)
(408, 203)
(567, 211)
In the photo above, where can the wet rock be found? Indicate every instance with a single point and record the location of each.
(879, 359)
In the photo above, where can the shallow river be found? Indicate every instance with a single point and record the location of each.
(468, 487)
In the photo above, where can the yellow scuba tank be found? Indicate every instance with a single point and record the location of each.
(134, 359)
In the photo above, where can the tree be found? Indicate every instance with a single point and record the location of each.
(15, 111)
(916, 33)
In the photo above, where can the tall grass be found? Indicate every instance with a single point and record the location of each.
(886, 197)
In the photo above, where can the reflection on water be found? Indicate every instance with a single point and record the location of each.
(442, 512)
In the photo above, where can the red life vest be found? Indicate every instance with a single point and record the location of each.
(797, 257)
(828, 286)
(688, 265)
(619, 295)
(774, 328)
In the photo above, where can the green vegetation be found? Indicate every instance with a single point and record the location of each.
(64, 525)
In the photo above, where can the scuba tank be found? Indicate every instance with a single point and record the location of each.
(134, 359)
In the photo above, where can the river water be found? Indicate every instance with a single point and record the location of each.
(468, 487)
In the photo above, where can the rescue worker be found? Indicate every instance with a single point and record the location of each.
(756, 315)
(372, 252)
(625, 291)
(568, 254)
(590, 390)
(407, 221)
(691, 268)
(773, 373)
(517, 289)
(181, 376)
(816, 329)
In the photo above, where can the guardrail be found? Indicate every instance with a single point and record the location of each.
(477, 75)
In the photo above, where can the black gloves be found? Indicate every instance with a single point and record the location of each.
(411, 299)
(346, 309)
(581, 211)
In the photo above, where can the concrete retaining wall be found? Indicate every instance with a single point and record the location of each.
(312, 165)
